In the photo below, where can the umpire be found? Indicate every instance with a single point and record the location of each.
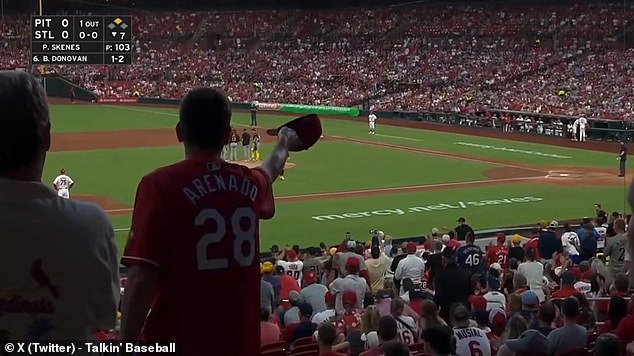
(622, 159)
(254, 113)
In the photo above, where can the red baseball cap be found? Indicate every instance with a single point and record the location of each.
(352, 264)
(329, 297)
(411, 247)
(478, 302)
(309, 278)
(308, 129)
(291, 254)
(501, 237)
(497, 318)
(349, 297)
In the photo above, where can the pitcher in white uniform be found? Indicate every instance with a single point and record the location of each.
(583, 123)
(371, 120)
(63, 184)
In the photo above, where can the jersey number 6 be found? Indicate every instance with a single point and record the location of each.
(241, 236)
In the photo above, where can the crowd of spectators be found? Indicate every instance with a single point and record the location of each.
(560, 290)
(551, 59)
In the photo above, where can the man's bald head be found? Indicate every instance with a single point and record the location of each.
(24, 121)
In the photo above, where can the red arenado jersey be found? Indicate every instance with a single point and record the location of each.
(498, 254)
(197, 222)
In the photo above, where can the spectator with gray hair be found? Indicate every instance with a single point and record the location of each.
(69, 254)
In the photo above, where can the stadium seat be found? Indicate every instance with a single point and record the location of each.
(275, 346)
(304, 341)
(273, 352)
(305, 348)
(306, 353)
(417, 349)
(592, 339)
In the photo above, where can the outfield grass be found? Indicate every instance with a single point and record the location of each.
(334, 166)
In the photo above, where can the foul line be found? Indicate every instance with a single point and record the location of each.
(435, 153)
(373, 191)
(400, 137)
(140, 110)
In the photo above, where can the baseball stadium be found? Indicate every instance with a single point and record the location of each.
(448, 178)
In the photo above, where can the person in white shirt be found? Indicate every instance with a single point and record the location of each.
(533, 271)
(58, 258)
(583, 124)
(494, 298)
(63, 184)
(470, 340)
(411, 267)
(371, 122)
(293, 267)
(570, 243)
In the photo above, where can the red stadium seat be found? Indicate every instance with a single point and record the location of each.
(417, 349)
(275, 346)
(306, 353)
(305, 348)
(274, 352)
(592, 339)
(304, 341)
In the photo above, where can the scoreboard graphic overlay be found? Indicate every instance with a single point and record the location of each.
(81, 40)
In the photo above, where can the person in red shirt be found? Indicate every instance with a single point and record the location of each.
(500, 253)
(194, 230)
(625, 329)
(326, 338)
(450, 242)
(287, 285)
(567, 288)
(533, 243)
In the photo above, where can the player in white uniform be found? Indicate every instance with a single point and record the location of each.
(371, 120)
(470, 340)
(583, 123)
(293, 267)
(63, 184)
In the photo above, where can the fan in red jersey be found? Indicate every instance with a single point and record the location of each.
(500, 253)
(194, 244)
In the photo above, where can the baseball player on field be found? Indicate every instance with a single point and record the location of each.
(575, 129)
(255, 146)
(371, 120)
(583, 123)
(63, 184)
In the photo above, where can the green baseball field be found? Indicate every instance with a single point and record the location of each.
(404, 181)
